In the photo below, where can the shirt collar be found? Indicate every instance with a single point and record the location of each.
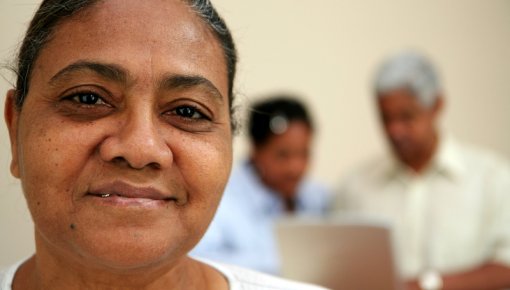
(446, 162)
(267, 197)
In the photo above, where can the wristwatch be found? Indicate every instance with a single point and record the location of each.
(430, 280)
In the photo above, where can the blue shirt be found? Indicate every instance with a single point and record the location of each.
(241, 233)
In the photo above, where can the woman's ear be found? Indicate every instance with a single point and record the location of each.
(11, 114)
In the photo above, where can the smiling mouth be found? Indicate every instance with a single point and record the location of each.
(112, 195)
(122, 193)
(119, 200)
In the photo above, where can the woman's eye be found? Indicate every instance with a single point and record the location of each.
(188, 117)
(85, 105)
(189, 112)
(87, 99)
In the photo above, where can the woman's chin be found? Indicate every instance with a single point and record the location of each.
(119, 249)
(124, 255)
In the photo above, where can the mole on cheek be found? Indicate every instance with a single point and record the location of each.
(72, 226)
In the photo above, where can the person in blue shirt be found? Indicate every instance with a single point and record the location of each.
(268, 185)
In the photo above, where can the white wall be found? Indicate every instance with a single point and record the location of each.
(327, 50)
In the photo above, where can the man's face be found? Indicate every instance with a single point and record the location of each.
(408, 124)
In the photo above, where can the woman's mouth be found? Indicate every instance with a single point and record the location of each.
(124, 194)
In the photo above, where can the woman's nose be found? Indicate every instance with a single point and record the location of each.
(138, 142)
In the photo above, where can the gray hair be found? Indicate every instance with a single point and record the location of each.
(409, 70)
(53, 12)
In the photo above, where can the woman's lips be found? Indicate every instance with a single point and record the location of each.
(124, 194)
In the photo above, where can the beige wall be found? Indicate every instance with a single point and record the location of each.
(327, 50)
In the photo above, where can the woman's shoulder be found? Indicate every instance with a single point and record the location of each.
(244, 279)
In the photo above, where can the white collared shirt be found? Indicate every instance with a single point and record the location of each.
(453, 217)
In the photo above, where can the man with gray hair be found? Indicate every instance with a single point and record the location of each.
(448, 203)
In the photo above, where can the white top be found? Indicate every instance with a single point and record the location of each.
(238, 279)
(453, 217)
(242, 231)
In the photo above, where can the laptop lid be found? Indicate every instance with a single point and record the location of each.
(341, 253)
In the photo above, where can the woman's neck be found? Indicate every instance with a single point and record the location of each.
(45, 271)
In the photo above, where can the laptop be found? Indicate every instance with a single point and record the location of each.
(345, 253)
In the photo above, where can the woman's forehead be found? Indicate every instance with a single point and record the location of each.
(148, 38)
(163, 16)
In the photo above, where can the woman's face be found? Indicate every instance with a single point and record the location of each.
(282, 160)
(123, 144)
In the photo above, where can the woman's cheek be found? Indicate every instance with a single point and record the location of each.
(208, 170)
(51, 161)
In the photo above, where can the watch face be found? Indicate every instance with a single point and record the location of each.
(431, 280)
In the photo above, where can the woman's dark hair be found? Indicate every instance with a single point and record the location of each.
(52, 12)
(273, 114)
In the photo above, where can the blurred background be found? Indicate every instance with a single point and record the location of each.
(327, 51)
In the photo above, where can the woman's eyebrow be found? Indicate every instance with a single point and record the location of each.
(118, 74)
(179, 81)
(111, 72)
